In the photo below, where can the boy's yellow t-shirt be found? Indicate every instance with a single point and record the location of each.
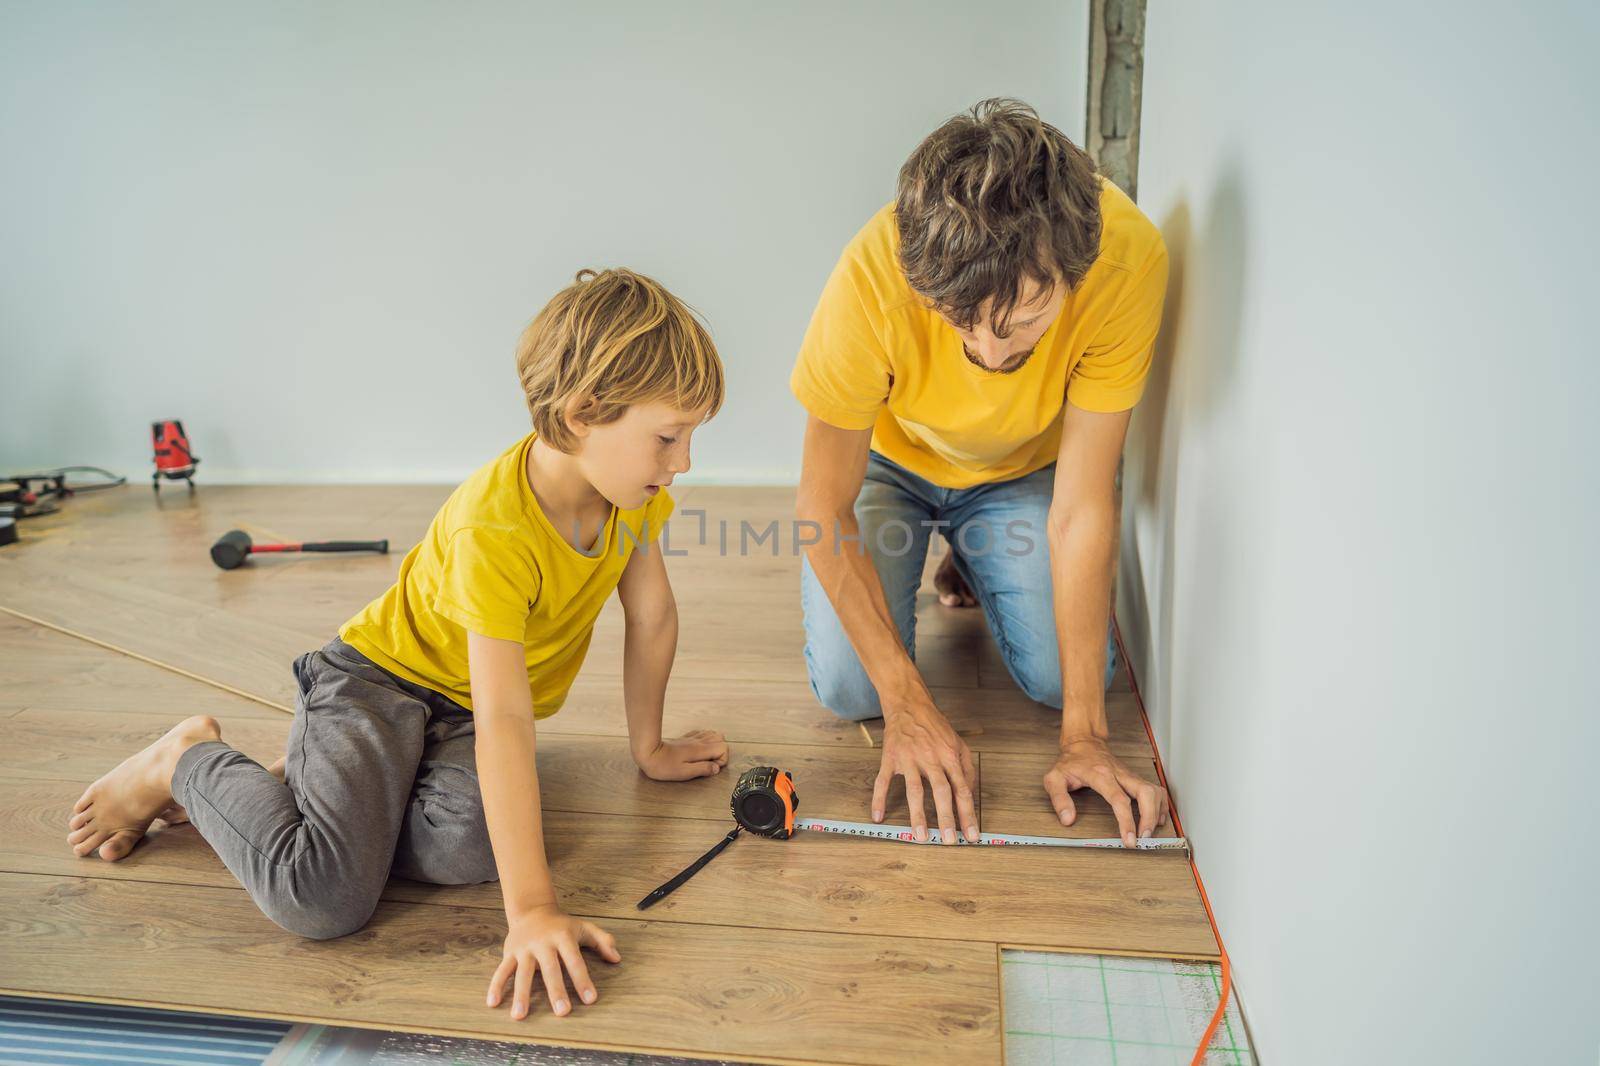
(876, 356)
(492, 563)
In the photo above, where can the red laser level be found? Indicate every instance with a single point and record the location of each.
(174, 458)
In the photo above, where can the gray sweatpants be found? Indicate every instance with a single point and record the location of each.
(381, 777)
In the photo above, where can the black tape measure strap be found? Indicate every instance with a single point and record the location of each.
(693, 868)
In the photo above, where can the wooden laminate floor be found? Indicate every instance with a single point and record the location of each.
(115, 624)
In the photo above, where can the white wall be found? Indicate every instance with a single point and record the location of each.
(1359, 573)
(315, 231)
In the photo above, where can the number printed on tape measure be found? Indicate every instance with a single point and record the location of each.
(862, 829)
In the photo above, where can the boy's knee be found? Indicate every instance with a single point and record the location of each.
(470, 862)
(445, 839)
(470, 870)
(325, 918)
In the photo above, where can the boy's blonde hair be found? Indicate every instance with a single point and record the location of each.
(610, 340)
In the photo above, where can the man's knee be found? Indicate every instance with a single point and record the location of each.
(848, 693)
(1038, 676)
(1037, 671)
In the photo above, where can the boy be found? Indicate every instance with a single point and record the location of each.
(412, 748)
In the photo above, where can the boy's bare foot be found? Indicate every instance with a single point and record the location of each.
(114, 812)
(174, 815)
(951, 586)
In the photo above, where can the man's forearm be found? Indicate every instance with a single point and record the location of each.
(649, 645)
(1081, 545)
(845, 572)
(509, 781)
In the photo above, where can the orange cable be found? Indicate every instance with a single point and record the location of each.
(1177, 824)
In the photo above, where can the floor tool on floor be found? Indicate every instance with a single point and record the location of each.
(235, 546)
(27, 495)
(19, 498)
(174, 456)
(764, 803)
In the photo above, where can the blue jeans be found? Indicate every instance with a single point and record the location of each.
(998, 533)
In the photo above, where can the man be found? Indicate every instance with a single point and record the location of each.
(971, 367)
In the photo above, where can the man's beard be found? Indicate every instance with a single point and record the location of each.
(1005, 368)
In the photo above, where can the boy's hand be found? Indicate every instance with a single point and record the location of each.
(699, 753)
(545, 939)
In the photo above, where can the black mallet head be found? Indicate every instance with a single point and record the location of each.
(231, 549)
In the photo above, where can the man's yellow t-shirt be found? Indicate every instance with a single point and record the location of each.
(492, 563)
(876, 356)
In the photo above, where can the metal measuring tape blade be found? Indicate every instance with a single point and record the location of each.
(904, 834)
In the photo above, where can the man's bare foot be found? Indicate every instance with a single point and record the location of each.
(952, 588)
(114, 812)
(176, 815)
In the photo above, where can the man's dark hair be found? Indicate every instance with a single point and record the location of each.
(993, 197)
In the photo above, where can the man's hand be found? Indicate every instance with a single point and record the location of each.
(544, 939)
(918, 743)
(698, 753)
(1086, 762)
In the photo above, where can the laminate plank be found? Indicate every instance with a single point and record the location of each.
(604, 864)
(597, 775)
(1014, 800)
(263, 619)
(714, 643)
(247, 652)
(83, 676)
(751, 993)
(1088, 900)
(167, 573)
(82, 745)
(44, 669)
(741, 709)
(577, 772)
(152, 540)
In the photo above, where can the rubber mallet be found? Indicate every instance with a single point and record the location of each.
(234, 547)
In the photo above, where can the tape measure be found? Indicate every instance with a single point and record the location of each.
(764, 802)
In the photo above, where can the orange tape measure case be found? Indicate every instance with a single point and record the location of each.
(764, 802)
